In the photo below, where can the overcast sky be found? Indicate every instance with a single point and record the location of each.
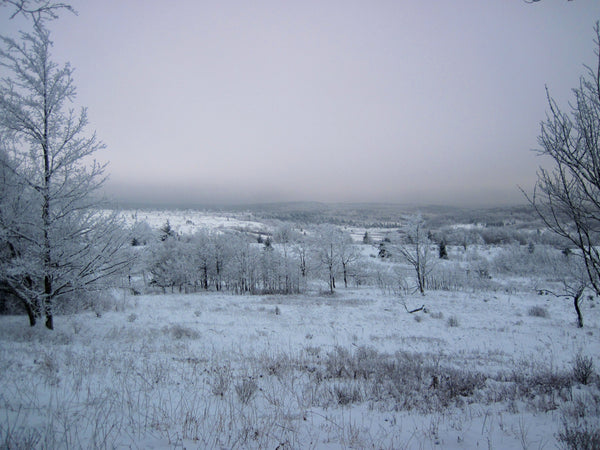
(408, 101)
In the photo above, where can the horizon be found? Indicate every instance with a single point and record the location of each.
(119, 204)
(181, 197)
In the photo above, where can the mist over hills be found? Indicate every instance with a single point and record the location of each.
(368, 214)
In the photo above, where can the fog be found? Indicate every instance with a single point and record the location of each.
(322, 101)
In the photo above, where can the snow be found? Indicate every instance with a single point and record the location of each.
(213, 370)
(143, 375)
(190, 221)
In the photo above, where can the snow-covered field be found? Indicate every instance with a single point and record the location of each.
(188, 221)
(352, 370)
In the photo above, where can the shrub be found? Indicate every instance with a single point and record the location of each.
(277, 365)
(346, 394)
(453, 321)
(579, 437)
(583, 368)
(312, 350)
(180, 332)
(580, 430)
(220, 380)
(517, 259)
(246, 390)
(48, 368)
(545, 382)
(19, 437)
(538, 311)
(456, 382)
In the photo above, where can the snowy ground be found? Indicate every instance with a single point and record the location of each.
(188, 221)
(304, 371)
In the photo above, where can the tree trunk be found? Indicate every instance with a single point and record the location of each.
(30, 313)
(576, 299)
(48, 303)
(345, 276)
(49, 319)
(331, 282)
(420, 281)
(218, 280)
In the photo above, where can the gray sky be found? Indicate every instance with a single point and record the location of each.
(418, 101)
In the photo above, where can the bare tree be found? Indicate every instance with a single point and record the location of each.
(327, 249)
(567, 197)
(37, 9)
(349, 254)
(284, 235)
(301, 248)
(63, 243)
(243, 270)
(574, 282)
(222, 254)
(202, 257)
(415, 249)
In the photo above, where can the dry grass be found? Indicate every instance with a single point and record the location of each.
(538, 311)
(140, 379)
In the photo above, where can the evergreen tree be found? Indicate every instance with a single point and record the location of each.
(366, 238)
(442, 250)
(166, 231)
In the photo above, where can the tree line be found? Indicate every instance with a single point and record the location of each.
(284, 262)
(56, 241)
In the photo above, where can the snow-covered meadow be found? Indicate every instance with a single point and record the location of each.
(188, 221)
(497, 366)
(211, 370)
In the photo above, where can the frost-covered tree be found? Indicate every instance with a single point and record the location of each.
(567, 197)
(202, 257)
(166, 231)
(222, 253)
(241, 273)
(415, 248)
(349, 254)
(172, 265)
(574, 282)
(142, 233)
(57, 241)
(37, 9)
(327, 249)
(301, 249)
(285, 237)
